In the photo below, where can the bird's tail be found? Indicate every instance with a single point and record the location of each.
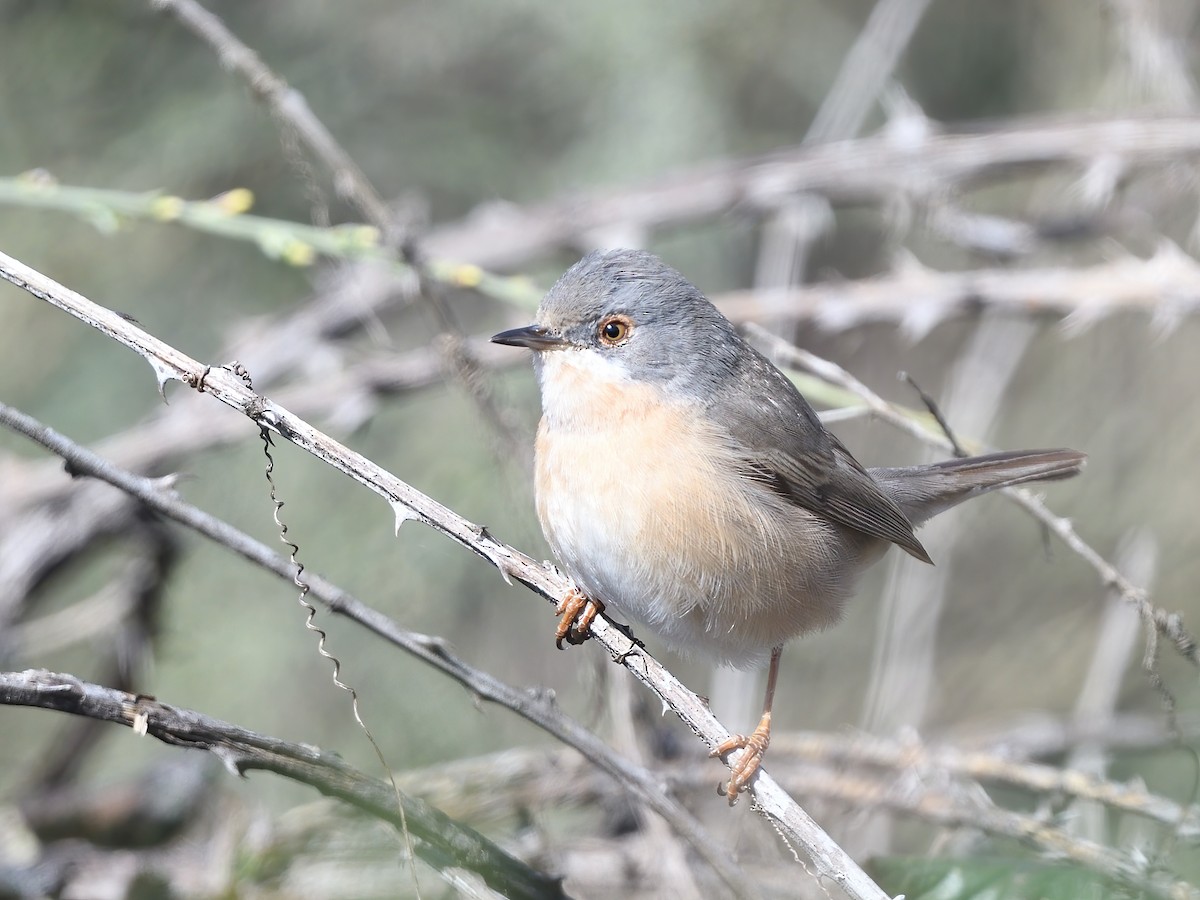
(924, 491)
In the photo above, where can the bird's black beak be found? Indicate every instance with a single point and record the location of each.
(535, 337)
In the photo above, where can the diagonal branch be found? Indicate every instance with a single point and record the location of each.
(168, 363)
(285, 102)
(866, 69)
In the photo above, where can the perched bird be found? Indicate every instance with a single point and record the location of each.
(684, 479)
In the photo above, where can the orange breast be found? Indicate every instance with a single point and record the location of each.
(643, 502)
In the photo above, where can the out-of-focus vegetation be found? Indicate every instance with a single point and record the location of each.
(454, 109)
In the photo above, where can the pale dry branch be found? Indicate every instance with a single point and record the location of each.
(438, 840)
(1100, 691)
(1169, 625)
(498, 785)
(1154, 66)
(302, 342)
(168, 363)
(789, 234)
(910, 756)
(1166, 287)
(1044, 735)
(870, 170)
(866, 69)
(534, 706)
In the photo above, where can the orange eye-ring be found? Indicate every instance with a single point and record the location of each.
(615, 330)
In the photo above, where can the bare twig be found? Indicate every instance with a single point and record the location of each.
(1166, 287)
(285, 102)
(866, 69)
(1155, 67)
(935, 410)
(868, 170)
(440, 841)
(910, 755)
(347, 397)
(942, 810)
(1043, 735)
(290, 107)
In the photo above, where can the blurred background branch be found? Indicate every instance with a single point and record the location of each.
(158, 496)
(440, 841)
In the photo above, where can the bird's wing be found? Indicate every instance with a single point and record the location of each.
(783, 443)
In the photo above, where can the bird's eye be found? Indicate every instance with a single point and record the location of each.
(615, 330)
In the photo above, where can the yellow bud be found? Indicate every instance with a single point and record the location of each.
(166, 209)
(235, 201)
(468, 275)
(298, 253)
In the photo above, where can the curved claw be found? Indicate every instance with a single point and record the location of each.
(576, 614)
(742, 772)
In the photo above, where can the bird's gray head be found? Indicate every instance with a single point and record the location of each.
(638, 318)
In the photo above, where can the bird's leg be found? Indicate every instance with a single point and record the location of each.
(576, 613)
(754, 744)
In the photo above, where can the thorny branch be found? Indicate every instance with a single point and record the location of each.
(1166, 287)
(942, 810)
(830, 860)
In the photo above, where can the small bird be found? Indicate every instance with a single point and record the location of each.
(681, 477)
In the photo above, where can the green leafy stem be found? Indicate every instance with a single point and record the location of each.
(298, 244)
(226, 215)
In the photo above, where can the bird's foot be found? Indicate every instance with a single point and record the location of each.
(742, 772)
(576, 614)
